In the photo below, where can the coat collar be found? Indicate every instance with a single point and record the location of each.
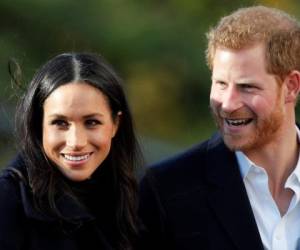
(228, 199)
(74, 214)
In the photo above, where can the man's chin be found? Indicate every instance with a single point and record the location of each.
(236, 143)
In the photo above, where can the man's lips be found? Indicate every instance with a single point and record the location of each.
(238, 122)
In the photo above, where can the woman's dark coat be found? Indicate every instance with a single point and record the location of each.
(22, 227)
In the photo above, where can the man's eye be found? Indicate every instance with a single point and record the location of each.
(92, 122)
(221, 84)
(248, 87)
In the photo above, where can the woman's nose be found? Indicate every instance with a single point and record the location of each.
(76, 138)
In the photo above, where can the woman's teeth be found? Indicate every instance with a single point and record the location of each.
(76, 158)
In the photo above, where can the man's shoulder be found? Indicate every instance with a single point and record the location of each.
(186, 169)
(190, 158)
(183, 159)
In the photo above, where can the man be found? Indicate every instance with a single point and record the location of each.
(241, 188)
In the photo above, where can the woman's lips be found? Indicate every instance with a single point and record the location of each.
(76, 159)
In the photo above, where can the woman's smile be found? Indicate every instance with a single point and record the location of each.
(77, 129)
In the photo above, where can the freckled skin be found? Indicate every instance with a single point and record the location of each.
(243, 90)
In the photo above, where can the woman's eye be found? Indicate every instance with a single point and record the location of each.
(92, 122)
(60, 123)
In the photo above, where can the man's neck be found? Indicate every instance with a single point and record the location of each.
(279, 160)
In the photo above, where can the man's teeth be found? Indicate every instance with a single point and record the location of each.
(238, 122)
(76, 158)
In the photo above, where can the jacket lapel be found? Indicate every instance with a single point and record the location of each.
(229, 199)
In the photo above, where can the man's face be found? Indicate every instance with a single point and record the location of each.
(246, 101)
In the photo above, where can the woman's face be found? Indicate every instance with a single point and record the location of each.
(77, 129)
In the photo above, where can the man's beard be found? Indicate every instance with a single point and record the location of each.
(262, 133)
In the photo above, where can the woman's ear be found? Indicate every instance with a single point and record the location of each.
(292, 83)
(117, 120)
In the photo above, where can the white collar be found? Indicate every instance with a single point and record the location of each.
(245, 165)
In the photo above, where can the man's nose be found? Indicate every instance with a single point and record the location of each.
(76, 138)
(231, 100)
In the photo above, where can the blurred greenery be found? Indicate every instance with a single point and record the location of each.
(157, 46)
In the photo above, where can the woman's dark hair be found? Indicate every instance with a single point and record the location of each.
(45, 180)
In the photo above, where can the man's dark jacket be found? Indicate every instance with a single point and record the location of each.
(197, 201)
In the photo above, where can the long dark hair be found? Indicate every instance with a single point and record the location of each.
(45, 180)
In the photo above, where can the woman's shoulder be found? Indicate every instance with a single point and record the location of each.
(9, 181)
(10, 198)
(12, 217)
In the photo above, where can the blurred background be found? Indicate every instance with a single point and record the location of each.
(156, 46)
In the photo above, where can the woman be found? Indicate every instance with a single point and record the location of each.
(72, 185)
